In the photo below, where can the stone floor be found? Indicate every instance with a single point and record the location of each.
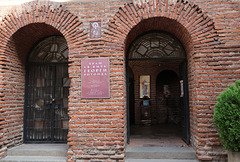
(156, 136)
(37, 153)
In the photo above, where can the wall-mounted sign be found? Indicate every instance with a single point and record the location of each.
(95, 29)
(95, 78)
(144, 86)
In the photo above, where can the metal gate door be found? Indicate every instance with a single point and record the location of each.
(184, 101)
(46, 110)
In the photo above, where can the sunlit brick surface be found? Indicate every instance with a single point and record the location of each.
(208, 30)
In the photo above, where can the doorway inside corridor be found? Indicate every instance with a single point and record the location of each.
(158, 113)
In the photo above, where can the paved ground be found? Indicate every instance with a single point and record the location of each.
(156, 135)
(158, 143)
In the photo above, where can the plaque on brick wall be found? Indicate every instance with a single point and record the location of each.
(95, 78)
(95, 29)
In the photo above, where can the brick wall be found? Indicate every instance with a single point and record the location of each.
(20, 30)
(209, 31)
(12, 103)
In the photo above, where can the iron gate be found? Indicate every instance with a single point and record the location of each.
(46, 114)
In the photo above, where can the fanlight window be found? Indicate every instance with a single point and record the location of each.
(156, 45)
(51, 50)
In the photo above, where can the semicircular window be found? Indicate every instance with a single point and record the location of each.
(156, 45)
(53, 49)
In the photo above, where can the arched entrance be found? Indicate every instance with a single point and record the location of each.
(158, 63)
(20, 33)
(47, 90)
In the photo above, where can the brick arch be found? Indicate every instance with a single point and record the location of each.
(19, 31)
(183, 15)
(194, 29)
(49, 13)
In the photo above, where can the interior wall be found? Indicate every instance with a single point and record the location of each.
(152, 68)
(12, 99)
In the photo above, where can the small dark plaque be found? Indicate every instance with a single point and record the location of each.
(95, 29)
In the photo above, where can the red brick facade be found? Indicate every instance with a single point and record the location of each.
(208, 30)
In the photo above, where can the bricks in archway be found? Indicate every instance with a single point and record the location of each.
(197, 26)
(190, 16)
(14, 28)
(42, 12)
(196, 32)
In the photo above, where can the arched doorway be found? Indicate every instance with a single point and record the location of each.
(47, 90)
(160, 59)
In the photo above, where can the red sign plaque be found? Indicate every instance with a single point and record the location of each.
(95, 78)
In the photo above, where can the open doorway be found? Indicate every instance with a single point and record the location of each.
(159, 116)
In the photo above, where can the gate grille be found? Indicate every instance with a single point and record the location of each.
(47, 91)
